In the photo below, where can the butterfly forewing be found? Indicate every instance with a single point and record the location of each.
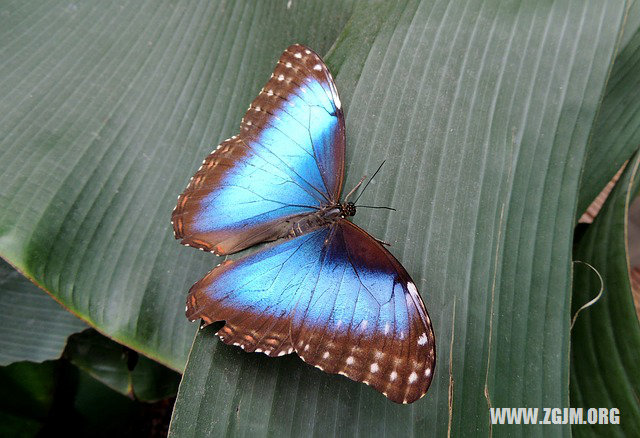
(286, 162)
(302, 97)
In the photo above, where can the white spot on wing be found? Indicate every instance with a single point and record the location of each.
(337, 100)
(325, 355)
(298, 55)
(334, 93)
(350, 360)
(422, 339)
(387, 327)
(306, 347)
(427, 372)
(393, 376)
(413, 377)
(374, 367)
(288, 65)
(317, 67)
(281, 77)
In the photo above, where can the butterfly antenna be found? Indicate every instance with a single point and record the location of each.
(377, 206)
(367, 184)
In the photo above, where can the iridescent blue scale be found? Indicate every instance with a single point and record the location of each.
(324, 289)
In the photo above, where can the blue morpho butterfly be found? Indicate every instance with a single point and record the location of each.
(327, 290)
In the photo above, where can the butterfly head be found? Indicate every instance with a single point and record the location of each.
(347, 209)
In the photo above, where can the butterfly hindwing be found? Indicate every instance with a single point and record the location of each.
(286, 162)
(337, 298)
(256, 295)
(365, 319)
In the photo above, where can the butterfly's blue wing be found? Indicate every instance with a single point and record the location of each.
(286, 162)
(257, 295)
(337, 298)
(365, 318)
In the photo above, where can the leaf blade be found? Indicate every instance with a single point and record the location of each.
(33, 327)
(606, 335)
(98, 101)
(487, 127)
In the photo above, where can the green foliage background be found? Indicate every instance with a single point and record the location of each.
(500, 121)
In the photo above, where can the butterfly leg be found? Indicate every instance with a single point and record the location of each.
(346, 198)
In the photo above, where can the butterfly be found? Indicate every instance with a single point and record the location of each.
(325, 289)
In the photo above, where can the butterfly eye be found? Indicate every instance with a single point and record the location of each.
(348, 209)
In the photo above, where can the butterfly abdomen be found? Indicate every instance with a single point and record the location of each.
(314, 221)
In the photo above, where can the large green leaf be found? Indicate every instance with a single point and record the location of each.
(105, 109)
(483, 112)
(33, 327)
(605, 353)
(616, 133)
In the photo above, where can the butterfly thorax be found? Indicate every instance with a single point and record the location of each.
(321, 218)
